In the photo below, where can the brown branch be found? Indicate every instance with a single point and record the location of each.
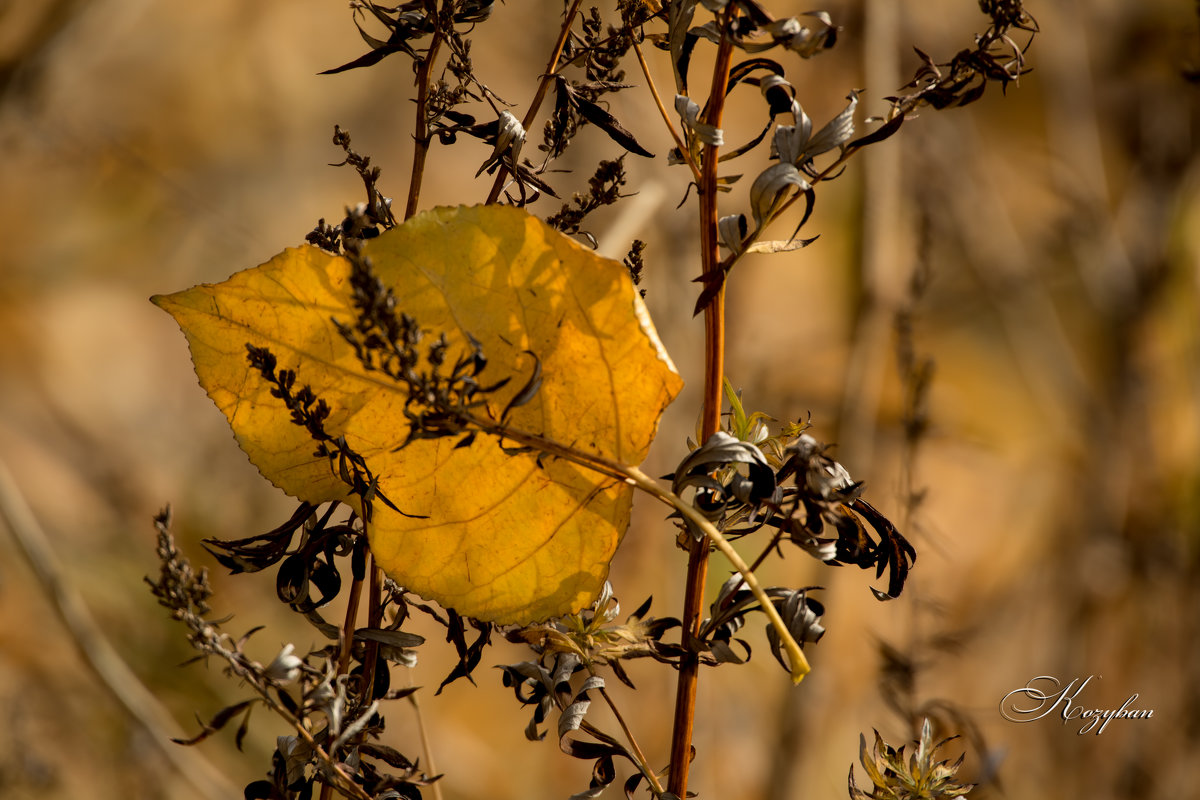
(540, 95)
(346, 638)
(697, 521)
(421, 135)
(714, 369)
(345, 644)
(374, 620)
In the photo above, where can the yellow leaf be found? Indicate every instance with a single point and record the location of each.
(506, 539)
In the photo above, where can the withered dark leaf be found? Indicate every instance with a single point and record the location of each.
(296, 755)
(260, 790)
(258, 552)
(468, 655)
(721, 450)
(370, 58)
(879, 134)
(529, 390)
(389, 637)
(731, 230)
(681, 41)
(286, 700)
(771, 188)
(603, 774)
(713, 281)
(743, 69)
(326, 628)
(894, 554)
(834, 133)
(219, 721)
(388, 755)
(602, 119)
(240, 737)
(578, 748)
(971, 95)
(689, 115)
(572, 716)
(802, 616)
(742, 149)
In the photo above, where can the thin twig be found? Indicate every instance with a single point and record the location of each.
(642, 762)
(97, 652)
(345, 645)
(374, 620)
(540, 95)
(421, 135)
(346, 638)
(662, 110)
(423, 733)
(345, 783)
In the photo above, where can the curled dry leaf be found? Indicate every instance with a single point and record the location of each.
(771, 188)
(689, 113)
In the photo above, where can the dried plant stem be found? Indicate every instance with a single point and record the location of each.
(643, 764)
(346, 644)
(714, 372)
(342, 782)
(346, 638)
(662, 110)
(421, 135)
(98, 653)
(423, 733)
(374, 620)
(540, 95)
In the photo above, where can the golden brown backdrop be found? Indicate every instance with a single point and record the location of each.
(150, 146)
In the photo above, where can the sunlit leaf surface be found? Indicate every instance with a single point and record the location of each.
(505, 539)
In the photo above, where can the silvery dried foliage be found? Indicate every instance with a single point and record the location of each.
(546, 684)
(337, 725)
(564, 676)
(734, 601)
(806, 499)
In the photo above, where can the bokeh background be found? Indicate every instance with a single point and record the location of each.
(146, 147)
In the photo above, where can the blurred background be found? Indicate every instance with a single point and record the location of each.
(1055, 233)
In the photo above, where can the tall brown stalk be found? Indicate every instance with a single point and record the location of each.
(714, 370)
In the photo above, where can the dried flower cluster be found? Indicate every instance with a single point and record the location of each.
(917, 778)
